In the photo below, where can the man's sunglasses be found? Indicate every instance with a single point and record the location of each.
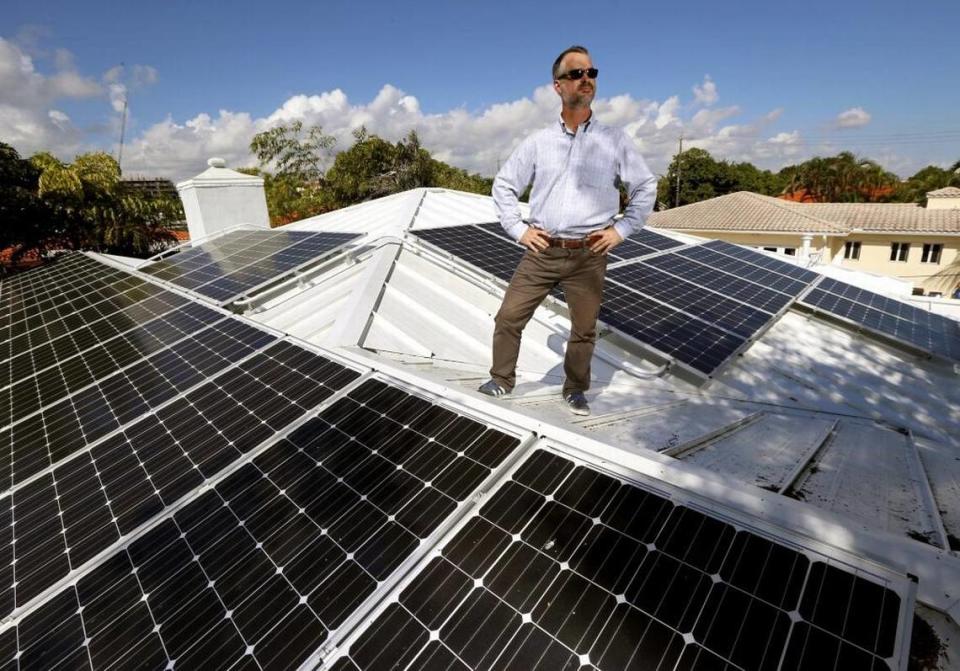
(591, 73)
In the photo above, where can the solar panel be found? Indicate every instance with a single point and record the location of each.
(94, 496)
(263, 568)
(497, 255)
(762, 260)
(699, 328)
(69, 277)
(36, 441)
(744, 269)
(240, 262)
(924, 330)
(495, 229)
(730, 286)
(676, 334)
(641, 243)
(114, 303)
(39, 376)
(691, 298)
(566, 567)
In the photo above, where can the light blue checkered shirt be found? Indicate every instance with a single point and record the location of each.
(575, 178)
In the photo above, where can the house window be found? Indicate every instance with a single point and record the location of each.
(851, 250)
(769, 249)
(899, 251)
(790, 251)
(931, 253)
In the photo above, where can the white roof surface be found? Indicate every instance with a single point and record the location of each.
(815, 431)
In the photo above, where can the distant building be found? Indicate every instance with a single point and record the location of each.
(917, 244)
(149, 186)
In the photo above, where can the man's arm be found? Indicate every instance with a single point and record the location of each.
(514, 177)
(641, 185)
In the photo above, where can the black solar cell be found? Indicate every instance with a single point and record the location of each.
(566, 567)
(42, 376)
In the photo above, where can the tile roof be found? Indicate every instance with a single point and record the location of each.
(744, 211)
(751, 212)
(945, 192)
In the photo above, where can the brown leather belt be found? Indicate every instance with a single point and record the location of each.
(572, 243)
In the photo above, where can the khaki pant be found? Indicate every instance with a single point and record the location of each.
(580, 273)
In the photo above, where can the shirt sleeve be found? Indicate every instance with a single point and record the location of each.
(641, 185)
(513, 179)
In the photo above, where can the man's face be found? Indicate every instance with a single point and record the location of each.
(575, 93)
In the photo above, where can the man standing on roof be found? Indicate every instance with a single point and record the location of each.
(576, 166)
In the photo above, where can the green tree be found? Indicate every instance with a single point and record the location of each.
(843, 178)
(47, 204)
(373, 168)
(703, 177)
(293, 152)
(931, 178)
(24, 217)
(447, 177)
(296, 189)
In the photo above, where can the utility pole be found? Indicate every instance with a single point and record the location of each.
(123, 125)
(679, 164)
(123, 129)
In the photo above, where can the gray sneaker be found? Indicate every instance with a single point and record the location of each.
(577, 403)
(491, 388)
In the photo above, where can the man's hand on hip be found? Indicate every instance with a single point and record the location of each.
(603, 241)
(535, 239)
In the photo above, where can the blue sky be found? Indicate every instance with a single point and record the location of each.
(777, 83)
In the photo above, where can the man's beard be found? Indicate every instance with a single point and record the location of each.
(582, 98)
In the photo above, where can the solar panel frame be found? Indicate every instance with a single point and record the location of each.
(240, 263)
(495, 551)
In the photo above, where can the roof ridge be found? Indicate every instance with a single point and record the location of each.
(788, 207)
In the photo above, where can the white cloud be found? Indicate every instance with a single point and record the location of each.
(474, 140)
(32, 118)
(706, 93)
(28, 119)
(854, 117)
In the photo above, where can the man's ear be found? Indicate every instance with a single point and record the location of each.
(556, 86)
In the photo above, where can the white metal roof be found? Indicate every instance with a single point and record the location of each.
(816, 429)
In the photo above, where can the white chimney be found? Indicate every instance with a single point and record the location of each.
(947, 198)
(219, 198)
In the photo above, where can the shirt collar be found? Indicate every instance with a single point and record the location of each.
(585, 126)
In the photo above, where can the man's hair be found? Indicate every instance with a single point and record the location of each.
(575, 49)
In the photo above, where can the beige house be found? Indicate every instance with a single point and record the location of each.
(920, 245)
